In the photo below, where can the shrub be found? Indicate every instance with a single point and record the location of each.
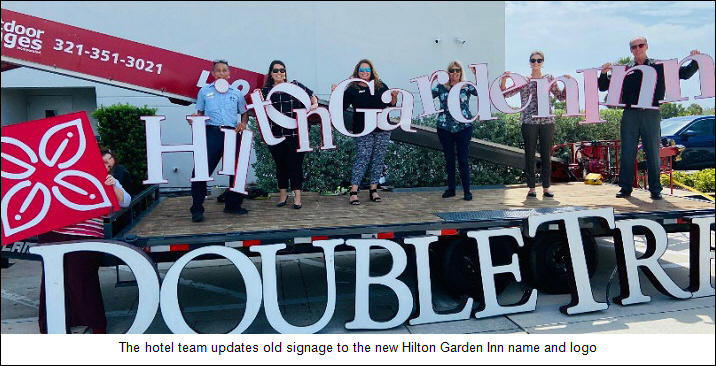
(411, 166)
(701, 181)
(121, 131)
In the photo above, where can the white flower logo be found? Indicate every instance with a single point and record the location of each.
(68, 187)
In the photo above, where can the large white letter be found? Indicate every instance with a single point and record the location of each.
(425, 90)
(646, 93)
(425, 294)
(571, 88)
(488, 271)
(242, 164)
(582, 297)
(268, 268)
(628, 264)
(262, 121)
(497, 95)
(406, 112)
(155, 149)
(304, 138)
(701, 254)
(292, 90)
(482, 85)
(336, 108)
(591, 96)
(170, 302)
(144, 270)
(362, 318)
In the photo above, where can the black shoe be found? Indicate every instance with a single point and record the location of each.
(548, 194)
(297, 207)
(623, 194)
(197, 217)
(238, 211)
(531, 194)
(282, 203)
(467, 196)
(449, 193)
(656, 196)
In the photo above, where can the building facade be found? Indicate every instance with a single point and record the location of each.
(320, 42)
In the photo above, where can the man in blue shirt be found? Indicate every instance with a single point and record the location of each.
(222, 108)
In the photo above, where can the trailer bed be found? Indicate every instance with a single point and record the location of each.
(402, 210)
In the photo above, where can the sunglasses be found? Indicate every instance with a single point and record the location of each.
(276, 71)
(634, 46)
(537, 60)
(454, 71)
(220, 61)
(364, 70)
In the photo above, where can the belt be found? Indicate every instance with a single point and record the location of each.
(214, 126)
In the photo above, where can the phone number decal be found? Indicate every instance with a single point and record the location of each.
(107, 56)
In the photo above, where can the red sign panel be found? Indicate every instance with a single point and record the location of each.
(52, 176)
(61, 48)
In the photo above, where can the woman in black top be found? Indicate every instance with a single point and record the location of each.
(371, 148)
(289, 163)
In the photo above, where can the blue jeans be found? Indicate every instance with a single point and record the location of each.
(459, 141)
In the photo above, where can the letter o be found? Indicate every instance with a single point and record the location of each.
(169, 301)
(19, 29)
(31, 32)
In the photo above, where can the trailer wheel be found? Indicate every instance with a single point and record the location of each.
(460, 268)
(548, 257)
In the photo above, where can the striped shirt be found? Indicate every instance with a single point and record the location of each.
(93, 227)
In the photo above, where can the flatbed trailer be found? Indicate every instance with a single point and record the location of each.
(165, 232)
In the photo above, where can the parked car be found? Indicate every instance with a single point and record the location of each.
(696, 134)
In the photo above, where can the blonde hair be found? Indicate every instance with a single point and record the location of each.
(462, 72)
(537, 52)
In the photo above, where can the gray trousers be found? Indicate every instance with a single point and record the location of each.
(644, 123)
(545, 134)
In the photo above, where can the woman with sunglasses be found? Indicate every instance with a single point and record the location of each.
(371, 148)
(536, 128)
(289, 163)
(454, 134)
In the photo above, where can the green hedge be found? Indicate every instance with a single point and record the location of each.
(411, 166)
(701, 181)
(121, 131)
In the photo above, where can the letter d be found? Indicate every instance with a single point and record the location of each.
(141, 265)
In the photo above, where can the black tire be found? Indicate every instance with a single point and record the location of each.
(547, 261)
(460, 268)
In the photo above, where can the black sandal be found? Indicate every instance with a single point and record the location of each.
(354, 202)
(376, 199)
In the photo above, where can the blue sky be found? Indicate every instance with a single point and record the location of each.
(578, 35)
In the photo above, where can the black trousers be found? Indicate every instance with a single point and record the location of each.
(215, 151)
(83, 295)
(545, 134)
(461, 141)
(289, 163)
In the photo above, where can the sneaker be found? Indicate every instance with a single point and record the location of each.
(449, 193)
(197, 217)
(468, 196)
(238, 211)
(656, 196)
